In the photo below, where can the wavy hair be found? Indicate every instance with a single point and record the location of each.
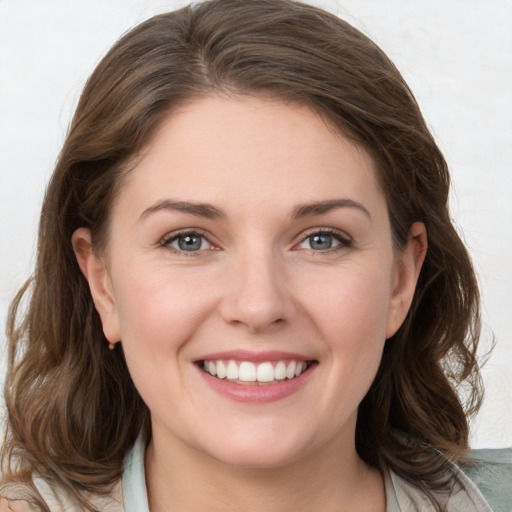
(73, 411)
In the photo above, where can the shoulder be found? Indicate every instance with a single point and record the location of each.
(18, 497)
(40, 496)
(459, 494)
(491, 471)
(484, 484)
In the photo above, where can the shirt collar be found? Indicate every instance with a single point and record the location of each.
(401, 496)
(134, 483)
(135, 496)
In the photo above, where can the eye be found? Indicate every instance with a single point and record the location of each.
(187, 242)
(324, 240)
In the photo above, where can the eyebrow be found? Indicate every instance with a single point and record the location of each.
(209, 211)
(307, 210)
(199, 209)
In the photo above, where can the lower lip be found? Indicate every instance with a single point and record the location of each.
(257, 393)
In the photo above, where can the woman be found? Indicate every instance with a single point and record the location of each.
(246, 283)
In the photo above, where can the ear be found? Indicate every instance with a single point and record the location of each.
(95, 270)
(408, 267)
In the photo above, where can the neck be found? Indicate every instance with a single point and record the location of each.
(331, 479)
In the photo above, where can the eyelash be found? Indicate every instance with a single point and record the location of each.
(172, 237)
(342, 238)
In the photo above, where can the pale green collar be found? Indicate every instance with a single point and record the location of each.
(135, 496)
(401, 496)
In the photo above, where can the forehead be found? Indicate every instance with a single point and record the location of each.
(219, 149)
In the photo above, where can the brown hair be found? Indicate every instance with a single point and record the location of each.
(73, 411)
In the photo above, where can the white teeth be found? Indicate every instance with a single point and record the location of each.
(221, 370)
(280, 371)
(265, 372)
(301, 366)
(290, 370)
(232, 371)
(247, 371)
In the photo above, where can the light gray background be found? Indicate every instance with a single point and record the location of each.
(455, 54)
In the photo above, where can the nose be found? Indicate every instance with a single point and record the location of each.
(256, 296)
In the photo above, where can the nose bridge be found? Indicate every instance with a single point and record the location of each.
(257, 296)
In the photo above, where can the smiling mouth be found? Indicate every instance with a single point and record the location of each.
(249, 373)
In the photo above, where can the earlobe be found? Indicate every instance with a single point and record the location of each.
(408, 270)
(95, 271)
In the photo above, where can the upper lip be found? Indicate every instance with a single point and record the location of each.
(254, 357)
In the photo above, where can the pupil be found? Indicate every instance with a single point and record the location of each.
(189, 243)
(321, 242)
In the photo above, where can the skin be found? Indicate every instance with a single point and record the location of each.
(257, 283)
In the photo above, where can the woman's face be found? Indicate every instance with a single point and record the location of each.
(251, 277)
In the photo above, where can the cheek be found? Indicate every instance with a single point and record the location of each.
(159, 317)
(351, 307)
(160, 308)
(352, 319)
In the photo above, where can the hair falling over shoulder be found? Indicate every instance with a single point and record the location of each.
(73, 411)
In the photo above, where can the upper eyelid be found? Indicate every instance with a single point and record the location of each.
(344, 240)
(325, 230)
(171, 236)
(185, 231)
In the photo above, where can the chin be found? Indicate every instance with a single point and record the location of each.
(257, 459)
(260, 452)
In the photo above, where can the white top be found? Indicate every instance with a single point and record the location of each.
(130, 495)
(401, 496)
